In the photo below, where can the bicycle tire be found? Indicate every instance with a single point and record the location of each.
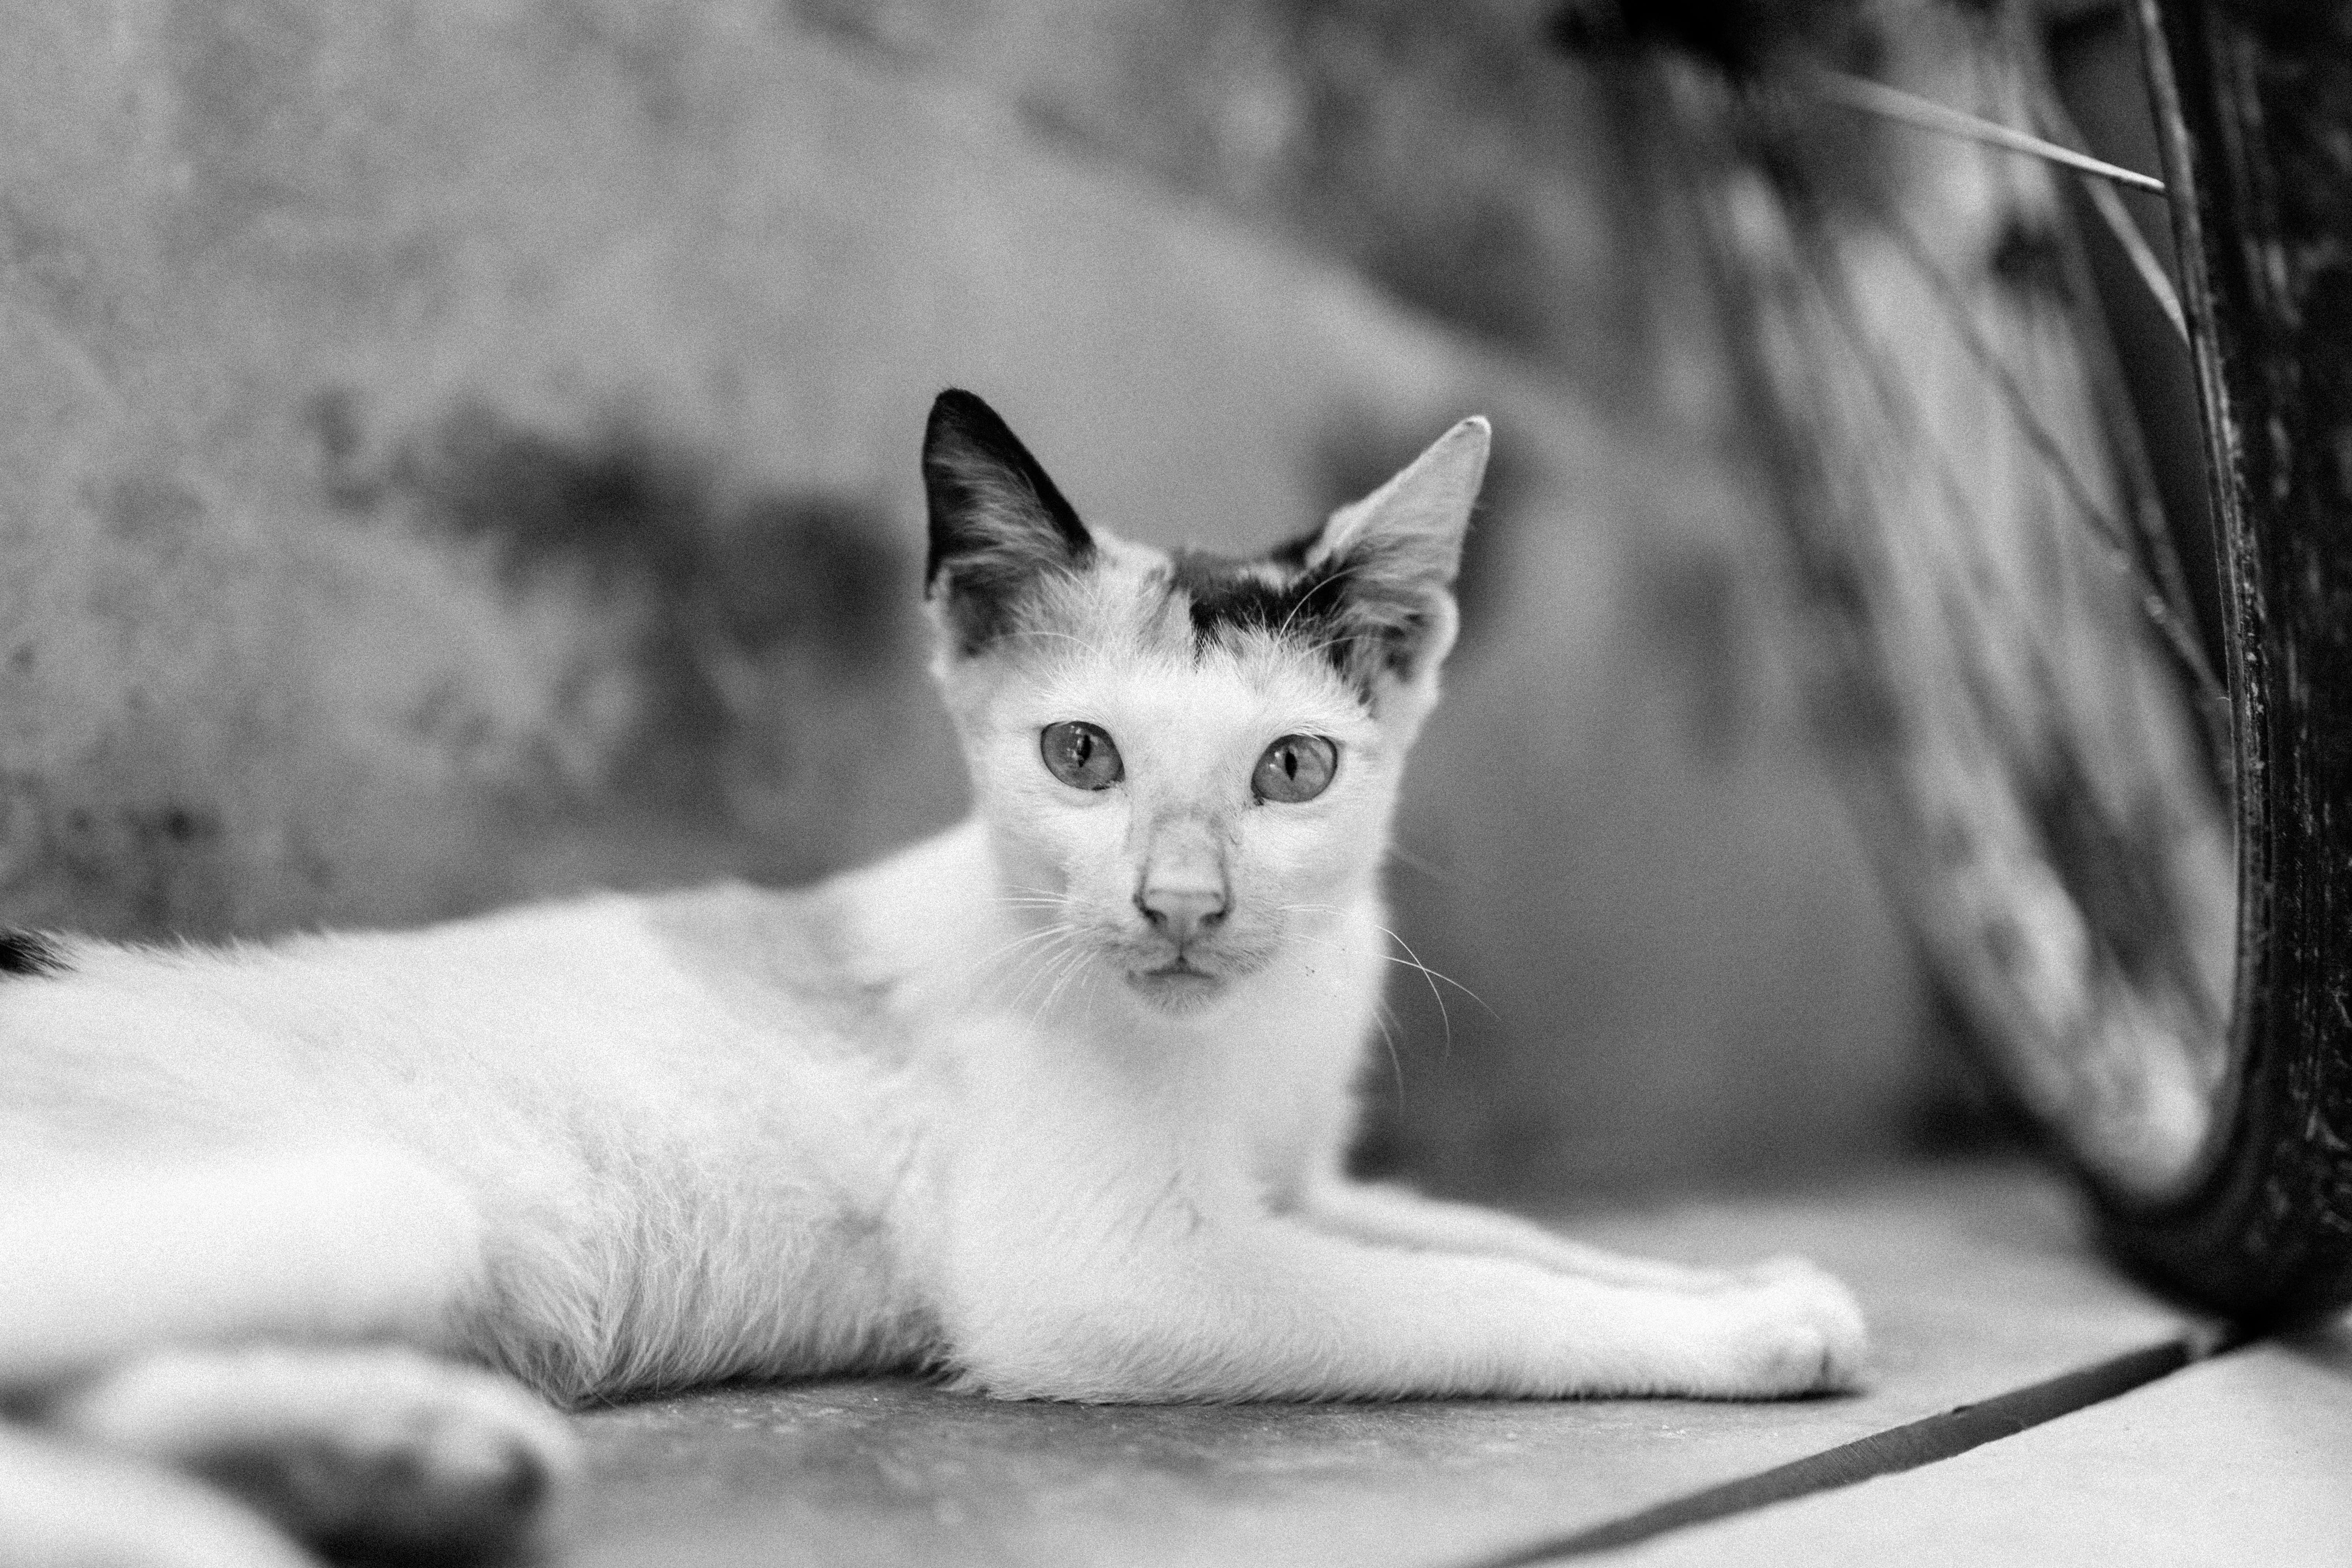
(2254, 105)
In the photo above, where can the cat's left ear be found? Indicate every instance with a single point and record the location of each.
(1391, 557)
(999, 524)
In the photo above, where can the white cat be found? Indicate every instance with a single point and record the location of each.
(1053, 1103)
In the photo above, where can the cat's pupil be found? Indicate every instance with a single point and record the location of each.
(1080, 755)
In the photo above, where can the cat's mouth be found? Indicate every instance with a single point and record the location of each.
(1178, 985)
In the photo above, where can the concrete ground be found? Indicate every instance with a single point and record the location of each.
(1978, 1286)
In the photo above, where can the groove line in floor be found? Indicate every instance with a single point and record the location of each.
(1897, 1448)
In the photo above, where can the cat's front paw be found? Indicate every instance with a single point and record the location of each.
(1805, 1333)
(379, 1453)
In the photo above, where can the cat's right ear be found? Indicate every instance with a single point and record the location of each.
(998, 523)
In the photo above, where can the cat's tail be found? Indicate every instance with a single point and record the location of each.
(353, 1244)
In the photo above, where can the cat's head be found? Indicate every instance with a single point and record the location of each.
(1186, 761)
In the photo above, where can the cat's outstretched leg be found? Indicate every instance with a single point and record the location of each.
(1272, 1309)
(384, 1451)
(1398, 1216)
(62, 1504)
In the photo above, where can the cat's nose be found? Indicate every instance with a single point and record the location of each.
(1182, 911)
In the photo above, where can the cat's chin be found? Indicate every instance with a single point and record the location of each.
(1177, 987)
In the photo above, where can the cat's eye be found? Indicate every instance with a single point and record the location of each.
(1080, 755)
(1294, 768)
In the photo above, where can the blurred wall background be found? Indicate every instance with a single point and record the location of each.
(456, 452)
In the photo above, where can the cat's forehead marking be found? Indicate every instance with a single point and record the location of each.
(1221, 592)
(1226, 600)
(1274, 617)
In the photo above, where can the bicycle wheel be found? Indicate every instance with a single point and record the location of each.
(2133, 869)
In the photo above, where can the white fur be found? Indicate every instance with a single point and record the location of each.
(919, 1115)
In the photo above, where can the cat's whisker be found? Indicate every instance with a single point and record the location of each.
(1436, 975)
(1413, 862)
(1079, 979)
(1381, 957)
(1429, 978)
(1044, 966)
(1031, 967)
(1388, 1039)
(1058, 928)
(1412, 961)
(1043, 934)
(1022, 898)
(1069, 972)
(1321, 942)
(1381, 1016)
(1069, 963)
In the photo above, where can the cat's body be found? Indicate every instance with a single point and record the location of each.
(703, 1134)
(1055, 1103)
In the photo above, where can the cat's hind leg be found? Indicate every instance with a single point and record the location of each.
(137, 1285)
(382, 1453)
(113, 1253)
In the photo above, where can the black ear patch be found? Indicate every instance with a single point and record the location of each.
(998, 521)
(23, 953)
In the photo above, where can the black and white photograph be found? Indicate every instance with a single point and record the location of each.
(1167, 783)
